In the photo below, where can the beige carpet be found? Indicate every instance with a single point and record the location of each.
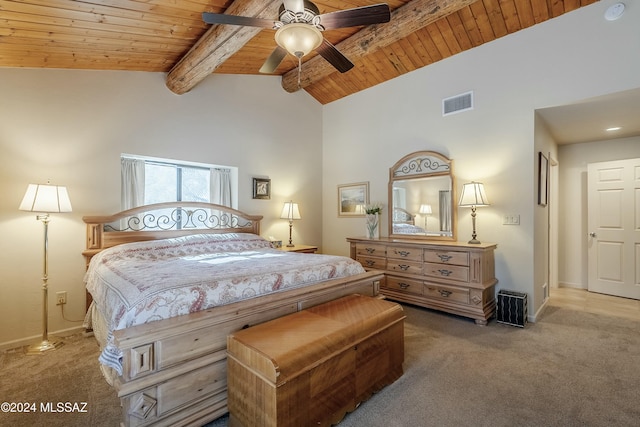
(569, 369)
(68, 374)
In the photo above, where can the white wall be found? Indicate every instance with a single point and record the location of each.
(72, 126)
(573, 231)
(575, 56)
(545, 144)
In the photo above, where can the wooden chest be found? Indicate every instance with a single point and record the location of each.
(314, 366)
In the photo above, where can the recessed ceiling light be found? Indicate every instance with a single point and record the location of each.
(614, 12)
(614, 128)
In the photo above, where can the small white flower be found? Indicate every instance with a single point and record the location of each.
(373, 208)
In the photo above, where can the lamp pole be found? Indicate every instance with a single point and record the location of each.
(473, 223)
(46, 344)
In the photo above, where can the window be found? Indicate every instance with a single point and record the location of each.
(147, 180)
(166, 182)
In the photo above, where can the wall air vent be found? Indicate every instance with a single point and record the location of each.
(457, 104)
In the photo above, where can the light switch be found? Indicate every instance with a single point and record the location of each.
(511, 219)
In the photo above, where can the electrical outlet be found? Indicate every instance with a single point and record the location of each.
(61, 298)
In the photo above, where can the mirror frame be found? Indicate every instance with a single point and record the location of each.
(423, 164)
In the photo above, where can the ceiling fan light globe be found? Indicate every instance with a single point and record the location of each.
(298, 38)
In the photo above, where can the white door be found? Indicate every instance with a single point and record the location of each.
(614, 227)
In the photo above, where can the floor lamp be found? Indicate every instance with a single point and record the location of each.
(472, 196)
(46, 199)
(290, 211)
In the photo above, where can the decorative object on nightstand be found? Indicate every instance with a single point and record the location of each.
(290, 212)
(46, 199)
(473, 195)
(426, 211)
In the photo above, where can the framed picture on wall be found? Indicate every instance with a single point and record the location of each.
(352, 199)
(261, 188)
(543, 179)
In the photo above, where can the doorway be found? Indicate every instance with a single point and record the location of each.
(613, 210)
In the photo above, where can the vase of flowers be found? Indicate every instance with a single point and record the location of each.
(372, 217)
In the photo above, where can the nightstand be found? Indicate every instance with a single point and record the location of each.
(300, 248)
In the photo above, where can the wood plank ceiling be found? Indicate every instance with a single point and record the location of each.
(154, 35)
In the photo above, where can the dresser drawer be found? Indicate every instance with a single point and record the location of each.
(450, 293)
(446, 257)
(402, 266)
(372, 262)
(452, 272)
(408, 253)
(404, 285)
(371, 250)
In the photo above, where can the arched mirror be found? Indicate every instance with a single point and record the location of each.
(421, 197)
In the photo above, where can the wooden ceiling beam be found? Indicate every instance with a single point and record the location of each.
(218, 44)
(222, 41)
(405, 20)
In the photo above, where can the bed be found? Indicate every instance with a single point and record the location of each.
(404, 222)
(168, 282)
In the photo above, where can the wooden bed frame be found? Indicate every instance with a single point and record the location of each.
(175, 370)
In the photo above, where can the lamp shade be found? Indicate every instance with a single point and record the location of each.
(425, 210)
(473, 194)
(46, 198)
(290, 211)
(298, 38)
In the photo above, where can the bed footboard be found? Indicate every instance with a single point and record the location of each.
(175, 370)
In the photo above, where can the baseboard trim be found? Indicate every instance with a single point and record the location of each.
(533, 317)
(15, 344)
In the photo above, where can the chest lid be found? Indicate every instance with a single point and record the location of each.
(283, 348)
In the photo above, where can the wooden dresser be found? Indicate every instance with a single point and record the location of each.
(455, 277)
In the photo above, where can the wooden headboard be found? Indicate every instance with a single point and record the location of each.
(165, 220)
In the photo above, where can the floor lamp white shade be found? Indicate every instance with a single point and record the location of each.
(473, 195)
(290, 211)
(46, 199)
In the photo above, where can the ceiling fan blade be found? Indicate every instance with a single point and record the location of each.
(334, 56)
(366, 15)
(221, 18)
(273, 60)
(294, 6)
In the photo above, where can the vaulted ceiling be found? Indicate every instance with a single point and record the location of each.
(170, 36)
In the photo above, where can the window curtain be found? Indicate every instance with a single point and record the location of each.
(220, 186)
(131, 183)
(445, 210)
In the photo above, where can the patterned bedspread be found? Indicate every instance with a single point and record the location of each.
(143, 282)
(402, 228)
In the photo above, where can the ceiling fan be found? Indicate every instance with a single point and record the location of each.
(299, 30)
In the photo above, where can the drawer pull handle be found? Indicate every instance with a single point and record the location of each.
(370, 250)
(369, 263)
(404, 285)
(444, 293)
(444, 258)
(403, 253)
(403, 267)
(445, 272)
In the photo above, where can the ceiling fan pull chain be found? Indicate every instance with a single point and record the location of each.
(299, 70)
